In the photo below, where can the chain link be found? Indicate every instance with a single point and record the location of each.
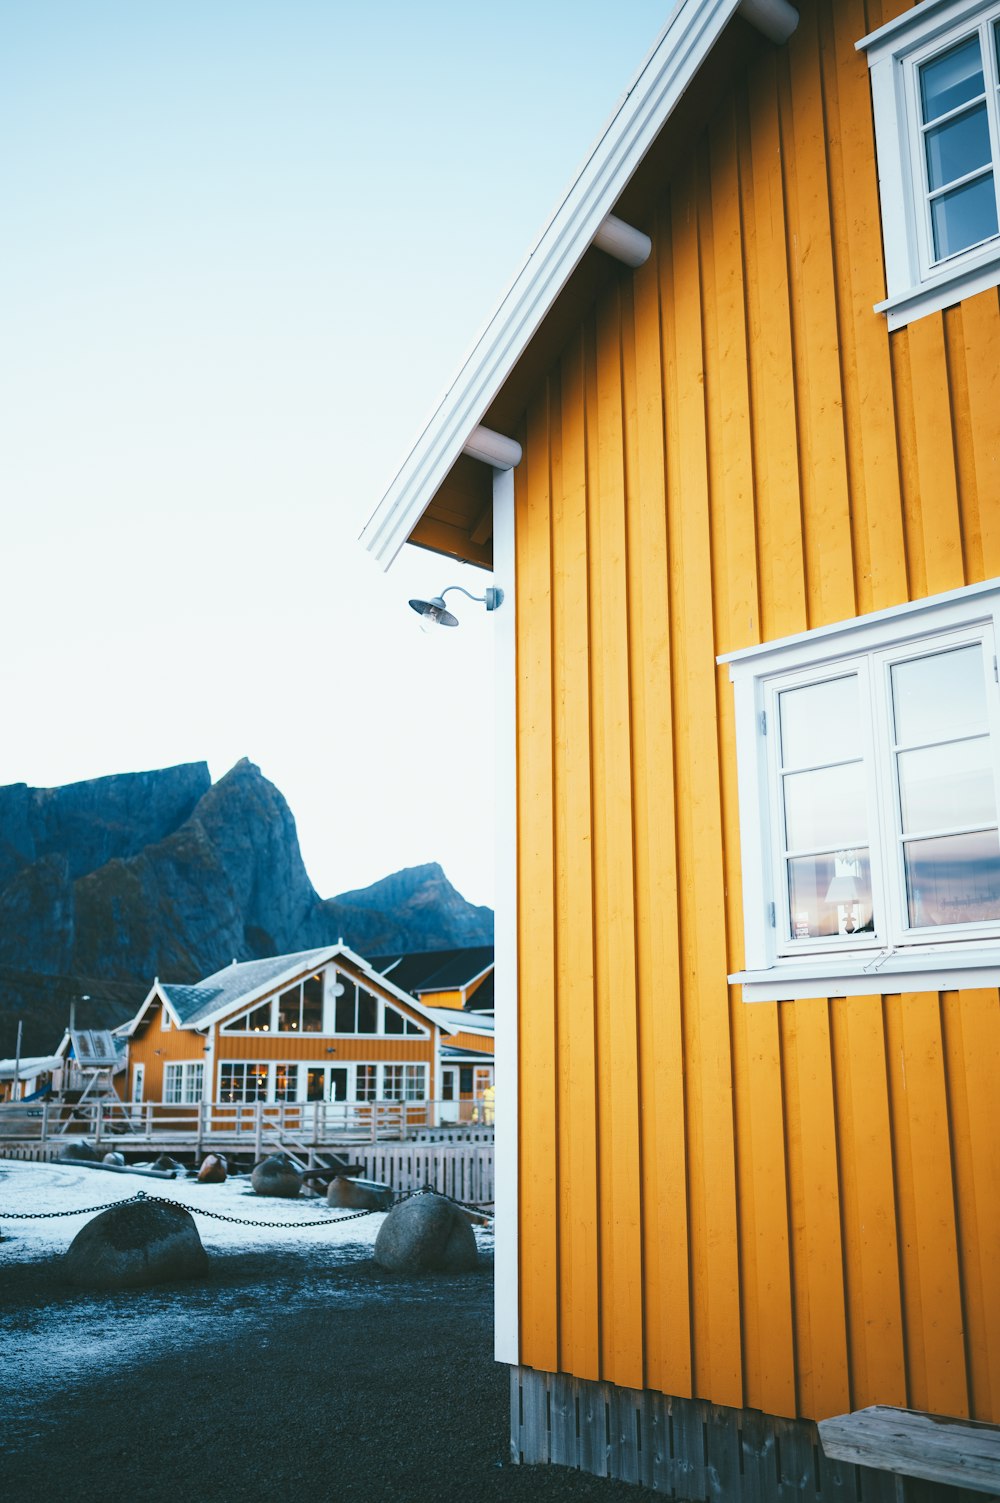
(218, 1215)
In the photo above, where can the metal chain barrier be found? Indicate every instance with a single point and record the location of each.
(162, 1200)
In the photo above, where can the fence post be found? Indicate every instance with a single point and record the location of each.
(45, 1122)
(97, 1122)
(258, 1142)
(200, 1128)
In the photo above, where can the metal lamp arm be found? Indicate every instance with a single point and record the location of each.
(491, 599)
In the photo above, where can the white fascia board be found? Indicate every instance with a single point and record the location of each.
(154, 994)
(950, 972)
(320, 959)
(684, 44)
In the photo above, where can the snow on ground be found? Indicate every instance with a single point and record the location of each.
(65, 1187)
(79, 1336)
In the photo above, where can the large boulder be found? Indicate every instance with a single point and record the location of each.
(79, 1151)
(140, 1242)
(358, 1194)
(426, 1234)
(116, 1160)
(275, 1176)
(213, 1169)
(164, 1161)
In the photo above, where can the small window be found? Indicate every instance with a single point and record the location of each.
(935, 77)
(869, 770)
(239, 1082)
(183, 1083)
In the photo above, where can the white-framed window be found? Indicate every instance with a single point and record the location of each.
(241, 1080)
(869, 775)
(404, 1082)
(935, 78)
(301, 1008)
(183, 1083)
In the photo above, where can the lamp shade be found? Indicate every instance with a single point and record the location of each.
(433, 612)
(844, 890)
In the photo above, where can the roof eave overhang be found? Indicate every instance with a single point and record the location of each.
(682, 48)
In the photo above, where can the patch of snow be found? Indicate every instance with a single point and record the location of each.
(68, 1187)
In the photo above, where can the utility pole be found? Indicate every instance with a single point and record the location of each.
(16, 1094)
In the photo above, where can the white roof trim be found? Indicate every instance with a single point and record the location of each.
(126, 1030)
(275, 983)
(682, 47)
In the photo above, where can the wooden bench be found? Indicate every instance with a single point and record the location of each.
(931, 1447)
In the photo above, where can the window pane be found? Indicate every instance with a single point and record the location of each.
(338, 1083)
(314, 1085)
(951, 79)
(964, 217)
(954, 880)
(393, 1020)
(344, 1021)
(312, 1005)
(820, 723)
(259, 1021)
(286, 1079)
(825, 808)
(364, 1082)
(367, 1011)
(829, 895)
(941, 787)
(939, 697)
(958, 147)
(288, 1011)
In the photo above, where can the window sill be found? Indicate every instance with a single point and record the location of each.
(942, 291)
(944, 971)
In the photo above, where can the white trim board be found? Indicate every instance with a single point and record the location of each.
(506, 1284)
(685, 42)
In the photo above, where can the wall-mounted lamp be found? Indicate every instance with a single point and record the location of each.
(331, 1050)
(433, 612)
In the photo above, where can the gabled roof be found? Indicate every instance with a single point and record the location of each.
(435, 970)
(243, 983)
(670, 68)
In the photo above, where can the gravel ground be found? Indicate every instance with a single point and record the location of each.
(288, 1372)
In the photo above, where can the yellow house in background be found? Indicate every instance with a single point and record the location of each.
(731, 446)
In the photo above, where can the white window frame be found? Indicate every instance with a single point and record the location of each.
(190, 1076)
(936, 960)
(916, 284)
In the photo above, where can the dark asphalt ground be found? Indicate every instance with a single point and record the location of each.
(308, 1375)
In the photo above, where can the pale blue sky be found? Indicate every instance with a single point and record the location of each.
(245, 247)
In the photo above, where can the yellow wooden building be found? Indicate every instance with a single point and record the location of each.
(731, 446)
(319, 1026)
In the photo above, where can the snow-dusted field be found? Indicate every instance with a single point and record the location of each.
(67, 1187)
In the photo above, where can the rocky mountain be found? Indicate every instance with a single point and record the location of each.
(108, 883)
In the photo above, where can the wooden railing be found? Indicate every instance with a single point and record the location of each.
(258, 1124)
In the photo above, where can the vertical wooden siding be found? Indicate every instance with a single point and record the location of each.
(792, 1206)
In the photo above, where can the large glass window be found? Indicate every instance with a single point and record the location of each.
(869, 796)
(239, 1081)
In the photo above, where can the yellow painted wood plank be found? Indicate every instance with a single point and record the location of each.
(906, 430)
(964, 450)
(981, 336)
(731, 478)
(935, 451)
(820, 1304)
(826, 511)
(712, 1172)
(615, 963)
(926, 1200)
(536, 961)
(784, 606)
(874, 1298)
(579, 1290)
(972, 1046)
(768, 1354)
(661, 1062)
(873, 463)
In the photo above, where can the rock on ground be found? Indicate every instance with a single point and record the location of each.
(214, 1169)
(77, 1151)
(426, 1234)
(275, 1176)
(134, 1244)
(358, 1194)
